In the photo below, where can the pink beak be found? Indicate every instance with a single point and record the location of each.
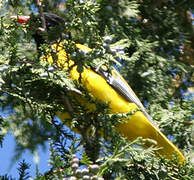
(20, 19)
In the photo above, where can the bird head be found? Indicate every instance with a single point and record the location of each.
(48, 30)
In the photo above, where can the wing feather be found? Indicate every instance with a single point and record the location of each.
(114, 79)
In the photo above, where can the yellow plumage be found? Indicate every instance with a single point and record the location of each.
(138, 125)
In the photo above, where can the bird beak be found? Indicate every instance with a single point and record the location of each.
(20, 19)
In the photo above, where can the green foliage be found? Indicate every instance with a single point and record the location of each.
(127, 160)
(22, 171)
(144, 39)
(6, 177)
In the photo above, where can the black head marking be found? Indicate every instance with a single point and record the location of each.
(55, 27)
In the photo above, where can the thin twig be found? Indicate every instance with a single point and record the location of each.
(39, 4)
(68, 104)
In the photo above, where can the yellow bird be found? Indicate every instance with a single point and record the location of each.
(108, 87)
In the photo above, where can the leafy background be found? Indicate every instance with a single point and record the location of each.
(152, 45)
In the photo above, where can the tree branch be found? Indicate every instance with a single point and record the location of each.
(40, 8)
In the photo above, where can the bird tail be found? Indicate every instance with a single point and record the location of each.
(167, 148)
(138, 125)
(163, 141)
